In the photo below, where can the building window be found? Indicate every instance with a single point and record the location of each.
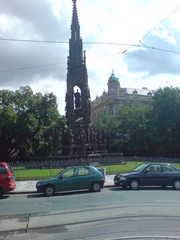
(115, 88)
(111, 88)
(112, 111)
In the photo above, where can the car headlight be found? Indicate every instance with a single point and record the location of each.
(38, 184)
(122, 178)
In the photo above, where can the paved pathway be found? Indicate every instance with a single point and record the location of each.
(29, 186)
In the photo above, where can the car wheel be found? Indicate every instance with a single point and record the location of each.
(176, 184)
(134, 184)
(1, 192)
(96, 187)
(49, 190)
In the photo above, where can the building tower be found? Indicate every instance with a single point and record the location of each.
(113, 84)
(78, 107)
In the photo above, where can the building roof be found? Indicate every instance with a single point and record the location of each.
(142, 91)
(113, 78)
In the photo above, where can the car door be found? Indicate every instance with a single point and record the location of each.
(152, 175)
(169, 174)
(67, 180)
(85, 178)
(3, 178)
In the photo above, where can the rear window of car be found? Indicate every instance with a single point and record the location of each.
(10, 169)
(83, 171)
(169, 168)
(2, 170)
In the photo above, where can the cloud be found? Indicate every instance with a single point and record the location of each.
(156, 62)
(32, 20)
(43, 66)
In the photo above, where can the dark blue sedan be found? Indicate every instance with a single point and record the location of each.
(150, 174)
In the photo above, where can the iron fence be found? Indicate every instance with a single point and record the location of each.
(35, 170)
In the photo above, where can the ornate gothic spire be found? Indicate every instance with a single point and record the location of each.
(75, 43)
(75, 28)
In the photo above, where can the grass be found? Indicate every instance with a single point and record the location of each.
(114, 169)
(33, 174)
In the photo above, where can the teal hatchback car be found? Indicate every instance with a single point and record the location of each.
(72, 178)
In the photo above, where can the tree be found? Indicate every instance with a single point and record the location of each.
(109, 125)
(32, 118)
(8, 145)
(134, 128)
(166, 115)
(130, 131)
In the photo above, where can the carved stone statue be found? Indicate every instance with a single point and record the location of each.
(71, 137)
(83, 137)
(77, 99)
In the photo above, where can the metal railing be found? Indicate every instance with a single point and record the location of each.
(34, 170)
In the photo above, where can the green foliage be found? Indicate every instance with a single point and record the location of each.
(146, 131)
(28, 122)
(8, 120)
(166, 115)
(109, 124)
(132, 128)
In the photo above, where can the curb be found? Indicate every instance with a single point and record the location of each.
(34, 191)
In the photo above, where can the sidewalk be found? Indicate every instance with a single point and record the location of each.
(29, 186)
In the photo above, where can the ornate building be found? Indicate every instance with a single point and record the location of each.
(78, 107)
(112, 100)
(81, 139)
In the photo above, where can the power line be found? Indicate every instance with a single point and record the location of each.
(25, 68)
(93, 43)
(31, 41)
(159, 23)
(153, 59)
(110, 54)
(153, 29)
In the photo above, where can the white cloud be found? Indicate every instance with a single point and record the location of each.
(105, 21)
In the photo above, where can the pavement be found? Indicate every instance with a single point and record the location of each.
(30, 185)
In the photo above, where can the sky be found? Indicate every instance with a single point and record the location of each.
(139, 40)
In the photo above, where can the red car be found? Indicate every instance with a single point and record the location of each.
(7, 178)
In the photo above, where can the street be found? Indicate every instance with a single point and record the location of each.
(111, 213)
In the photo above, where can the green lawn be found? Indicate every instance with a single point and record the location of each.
(36, 174)
(32, 174)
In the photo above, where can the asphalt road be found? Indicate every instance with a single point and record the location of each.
(110, 214)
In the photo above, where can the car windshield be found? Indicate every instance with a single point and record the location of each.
(60, 172)
(140, 167)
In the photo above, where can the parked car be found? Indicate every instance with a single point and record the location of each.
(72, 178)
(7, 178)
(150, 174)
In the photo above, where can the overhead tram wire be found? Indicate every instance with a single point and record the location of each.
(25, 68)
(125, 51)
(159, 23)
(153, 59)
(93, 43)
(140, 41)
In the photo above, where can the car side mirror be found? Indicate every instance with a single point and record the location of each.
(146, 172)
(61, 177)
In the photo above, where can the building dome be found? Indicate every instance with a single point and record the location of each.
(112, 78)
